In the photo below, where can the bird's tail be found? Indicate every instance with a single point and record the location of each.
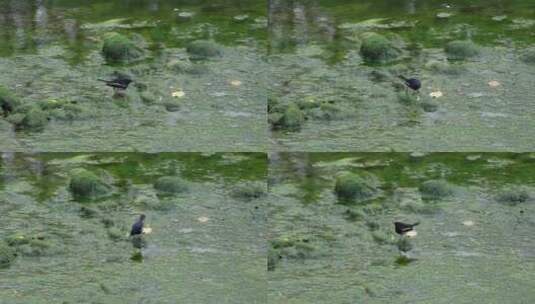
(103, 80)
(403, 77)
(415, 224)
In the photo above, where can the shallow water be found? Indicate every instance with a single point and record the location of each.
(470, 247)
(186, 260)
(314, 53)
(52, 50)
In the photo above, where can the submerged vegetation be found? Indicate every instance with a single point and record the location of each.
(47, 230)
(339, 62)
(52, 98)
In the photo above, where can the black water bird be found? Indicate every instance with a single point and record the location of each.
(412, 83)
(120, 82)
(137, 228)
(402, 228)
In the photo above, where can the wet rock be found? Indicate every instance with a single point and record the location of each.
(170, 185)
(204, 49)
(514, 196)
(7, 255)
(435, 189)
(119, 48)
(86, 184)
(461, 49)
(351, 186)
(377, 48)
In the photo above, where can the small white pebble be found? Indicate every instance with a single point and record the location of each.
(203, 219)
(436, 94)
(411, 233)
(494, 84)
(468, 223)
(235, 83)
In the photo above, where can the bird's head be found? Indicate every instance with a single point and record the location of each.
(142, 217)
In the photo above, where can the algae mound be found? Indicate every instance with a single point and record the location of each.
(377, 48)
(119, 48)
(351, 186)
(461, 49)
(86, 184)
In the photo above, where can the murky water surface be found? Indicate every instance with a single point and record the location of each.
(352, 104)
(474, 244)
(51, 51)
(207, 243)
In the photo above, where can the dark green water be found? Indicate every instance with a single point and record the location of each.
(79, 251)
(51, 50)
(354, 105)
(472, 246)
